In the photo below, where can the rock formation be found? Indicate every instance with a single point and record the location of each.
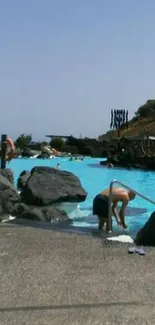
(146, 235)
(40, 188)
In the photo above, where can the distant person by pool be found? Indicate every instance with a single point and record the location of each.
(110, 165)
(76, 158)
(58, 166)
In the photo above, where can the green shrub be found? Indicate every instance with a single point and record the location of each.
(57, 143)
(146, 110)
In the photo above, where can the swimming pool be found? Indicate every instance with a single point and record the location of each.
(94, 179)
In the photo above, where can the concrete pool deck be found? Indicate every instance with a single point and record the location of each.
(53, 277)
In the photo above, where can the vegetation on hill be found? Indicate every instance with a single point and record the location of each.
(143, 122)
(23, 141)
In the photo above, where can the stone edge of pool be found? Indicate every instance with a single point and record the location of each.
(111, 238)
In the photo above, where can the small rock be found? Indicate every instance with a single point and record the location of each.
(27, 152)
(19, 208)
(44, 155)
(55, 215)
(32, 214)
(23, 178)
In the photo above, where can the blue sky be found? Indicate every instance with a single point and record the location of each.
(65, 63)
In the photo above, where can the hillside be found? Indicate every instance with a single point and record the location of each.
(135, 128)
(142, 123)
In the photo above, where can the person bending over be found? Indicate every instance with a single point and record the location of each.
(101, 206)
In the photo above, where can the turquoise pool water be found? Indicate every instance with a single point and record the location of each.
(94, 179)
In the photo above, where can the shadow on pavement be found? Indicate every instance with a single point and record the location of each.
(77, 306)
(63, 227)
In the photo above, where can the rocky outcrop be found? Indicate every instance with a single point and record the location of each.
(22, 179)
(131, 161)
(107, 147)
(71, 149)
(44, 155)
(27, 153)
(32, 213)
(146, 235)
(19, 208)
(48, 185)
(57, 215)
(8, 196)
(132, 153)
(18, 152)
(49, 214)
(96, 148)
(7, 173)
(40, 188)
(85, 147)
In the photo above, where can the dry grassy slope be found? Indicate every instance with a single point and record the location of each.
(135, 128)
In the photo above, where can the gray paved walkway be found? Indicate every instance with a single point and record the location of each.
(50, 277)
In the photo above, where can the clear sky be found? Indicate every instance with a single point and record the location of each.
(65, 63)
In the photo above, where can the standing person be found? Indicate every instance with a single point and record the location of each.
(101, 205)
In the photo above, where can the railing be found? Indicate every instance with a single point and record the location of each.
(110, 200)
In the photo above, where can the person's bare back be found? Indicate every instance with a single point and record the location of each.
(118, 194)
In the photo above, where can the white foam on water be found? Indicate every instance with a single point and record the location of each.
(81, 224)
(35, 156)
(12, 218)
(122, 239)
(68, 207)
(8, 219)
(78, 213)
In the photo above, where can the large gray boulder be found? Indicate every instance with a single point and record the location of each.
(8, 196)
(146, 235)
(48, 185)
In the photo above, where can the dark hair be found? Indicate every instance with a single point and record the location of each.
(132, 194)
